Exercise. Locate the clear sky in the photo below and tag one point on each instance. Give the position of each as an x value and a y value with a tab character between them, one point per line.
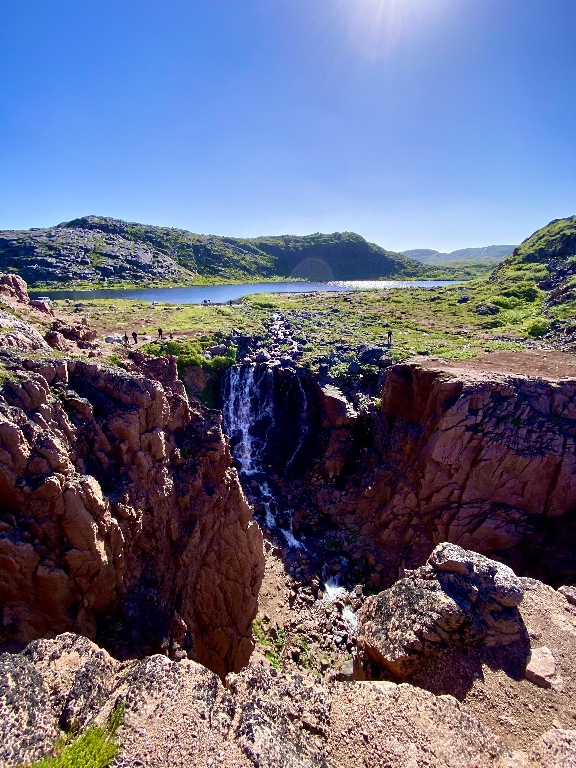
417	123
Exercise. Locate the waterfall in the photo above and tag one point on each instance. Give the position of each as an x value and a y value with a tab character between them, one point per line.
248	420
248	403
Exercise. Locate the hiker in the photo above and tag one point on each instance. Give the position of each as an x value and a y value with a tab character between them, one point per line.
160	334
171	335
125	339
389	338
135	337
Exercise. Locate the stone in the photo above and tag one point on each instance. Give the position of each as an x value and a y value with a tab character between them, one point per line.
179	713
114	338
457	598
541	667
485	308
112	529
569	593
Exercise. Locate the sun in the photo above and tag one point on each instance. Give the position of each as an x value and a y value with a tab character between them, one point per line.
378	27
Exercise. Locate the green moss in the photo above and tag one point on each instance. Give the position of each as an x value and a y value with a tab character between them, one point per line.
273	646
192	352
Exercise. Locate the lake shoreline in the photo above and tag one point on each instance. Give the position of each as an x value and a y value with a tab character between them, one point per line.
230	292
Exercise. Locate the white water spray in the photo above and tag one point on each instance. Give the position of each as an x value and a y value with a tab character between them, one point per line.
249	400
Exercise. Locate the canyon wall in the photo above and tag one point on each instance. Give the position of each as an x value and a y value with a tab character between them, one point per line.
485	460
121	517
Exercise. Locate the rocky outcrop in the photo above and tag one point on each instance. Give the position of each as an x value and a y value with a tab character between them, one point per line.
17	335
122	518
456	598
181	714
15	287
477	704
484	460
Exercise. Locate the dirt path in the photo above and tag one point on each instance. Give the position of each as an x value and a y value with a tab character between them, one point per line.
544	364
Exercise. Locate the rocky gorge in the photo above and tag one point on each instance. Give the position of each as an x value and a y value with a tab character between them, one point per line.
389	629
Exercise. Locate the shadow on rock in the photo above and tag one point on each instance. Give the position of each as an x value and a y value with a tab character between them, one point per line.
440	624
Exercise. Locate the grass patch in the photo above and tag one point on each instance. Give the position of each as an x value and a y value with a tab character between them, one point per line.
95	748
273	646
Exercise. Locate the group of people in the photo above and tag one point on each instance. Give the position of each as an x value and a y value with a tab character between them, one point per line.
135	336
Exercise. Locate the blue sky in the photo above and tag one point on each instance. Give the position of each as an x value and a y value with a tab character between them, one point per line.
417	123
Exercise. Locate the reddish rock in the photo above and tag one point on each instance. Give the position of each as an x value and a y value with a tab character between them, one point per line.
78	332
122	516
485	461
541	667
14	286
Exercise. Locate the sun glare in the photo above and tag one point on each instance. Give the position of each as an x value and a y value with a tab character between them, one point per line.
378	27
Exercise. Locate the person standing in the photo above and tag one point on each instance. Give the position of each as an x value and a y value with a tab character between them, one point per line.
160	336
389	338
135	337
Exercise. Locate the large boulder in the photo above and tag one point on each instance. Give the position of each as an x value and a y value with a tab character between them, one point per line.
456	598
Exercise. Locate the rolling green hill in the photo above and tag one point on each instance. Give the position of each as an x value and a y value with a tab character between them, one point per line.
105	251
545	263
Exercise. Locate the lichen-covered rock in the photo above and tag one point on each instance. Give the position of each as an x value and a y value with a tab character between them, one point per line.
180	714
122	515
28	724
20	336
456	598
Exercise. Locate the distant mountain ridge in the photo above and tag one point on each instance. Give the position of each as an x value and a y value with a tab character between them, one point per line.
490	254
106	251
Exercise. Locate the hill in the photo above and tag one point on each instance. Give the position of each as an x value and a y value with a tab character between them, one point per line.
490	254
106	251
544	264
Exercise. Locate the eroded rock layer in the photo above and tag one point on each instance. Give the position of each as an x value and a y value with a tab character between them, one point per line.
121	516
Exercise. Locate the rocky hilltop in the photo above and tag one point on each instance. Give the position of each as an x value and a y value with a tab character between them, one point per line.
102	250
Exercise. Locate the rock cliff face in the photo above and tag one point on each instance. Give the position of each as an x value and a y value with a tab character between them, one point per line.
483	460
121	516
486	462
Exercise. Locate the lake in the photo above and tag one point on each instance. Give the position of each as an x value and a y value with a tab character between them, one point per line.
222	294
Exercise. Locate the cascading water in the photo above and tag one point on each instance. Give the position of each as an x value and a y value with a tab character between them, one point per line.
248	419
254	403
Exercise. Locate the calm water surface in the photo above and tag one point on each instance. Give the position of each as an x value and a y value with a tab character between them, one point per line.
221	294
